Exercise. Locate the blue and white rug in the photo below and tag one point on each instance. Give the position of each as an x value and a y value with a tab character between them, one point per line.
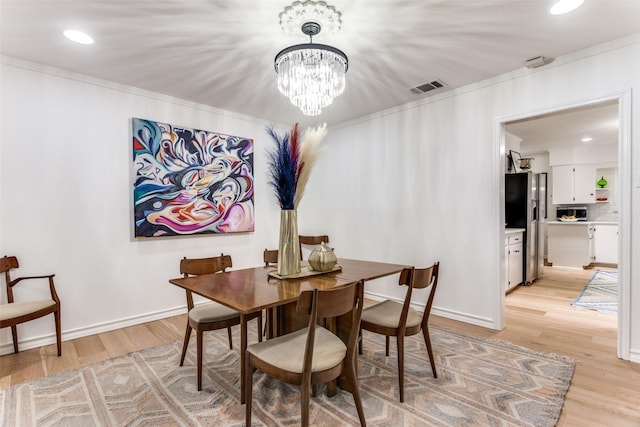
600	293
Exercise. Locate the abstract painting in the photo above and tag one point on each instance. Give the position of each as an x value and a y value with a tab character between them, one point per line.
190	181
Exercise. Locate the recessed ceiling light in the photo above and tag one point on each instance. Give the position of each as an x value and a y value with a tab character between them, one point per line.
565	6
587	139
78	37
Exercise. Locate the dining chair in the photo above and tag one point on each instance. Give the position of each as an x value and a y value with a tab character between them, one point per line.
270	257
394	319
13	313
312	240
314	355
212	315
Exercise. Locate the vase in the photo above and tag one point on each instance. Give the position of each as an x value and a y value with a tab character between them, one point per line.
322	258
289	247
602	183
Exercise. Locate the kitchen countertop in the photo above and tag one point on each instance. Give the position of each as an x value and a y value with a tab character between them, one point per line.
508	231
582	222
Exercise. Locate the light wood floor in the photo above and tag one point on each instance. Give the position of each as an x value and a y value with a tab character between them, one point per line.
605	391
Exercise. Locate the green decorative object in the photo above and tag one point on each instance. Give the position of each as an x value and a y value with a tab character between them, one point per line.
602	183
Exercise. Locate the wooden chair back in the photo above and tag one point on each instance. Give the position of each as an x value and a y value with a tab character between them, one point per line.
332	302
270	256
313	240
198	266
328	304
418	278
7	263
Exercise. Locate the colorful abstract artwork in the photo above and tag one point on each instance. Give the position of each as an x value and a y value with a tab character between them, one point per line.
190	181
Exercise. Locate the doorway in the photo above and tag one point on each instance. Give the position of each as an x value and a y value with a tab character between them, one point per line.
547	138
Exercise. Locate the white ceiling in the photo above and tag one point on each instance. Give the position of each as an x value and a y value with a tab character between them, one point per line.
567	128
220	52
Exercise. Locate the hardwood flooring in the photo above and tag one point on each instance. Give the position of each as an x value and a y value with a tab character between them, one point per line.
605	391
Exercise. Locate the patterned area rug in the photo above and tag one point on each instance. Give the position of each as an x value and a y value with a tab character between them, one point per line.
480	382
600	293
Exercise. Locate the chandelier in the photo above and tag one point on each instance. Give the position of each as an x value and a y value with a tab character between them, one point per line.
311	75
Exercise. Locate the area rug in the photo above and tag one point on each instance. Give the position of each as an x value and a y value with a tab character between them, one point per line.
600	293
480	382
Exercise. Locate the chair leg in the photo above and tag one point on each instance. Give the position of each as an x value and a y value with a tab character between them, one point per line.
386	348
401	365
14	335
230	339
305	401
260	327
199	356
185	344
266	322
427	341
248	388
352	380
56	316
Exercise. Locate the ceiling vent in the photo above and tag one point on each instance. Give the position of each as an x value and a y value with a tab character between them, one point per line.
427	87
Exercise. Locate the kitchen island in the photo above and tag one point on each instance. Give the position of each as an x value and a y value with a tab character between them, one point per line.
579	244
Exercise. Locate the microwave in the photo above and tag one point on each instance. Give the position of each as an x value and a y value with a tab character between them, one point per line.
571	213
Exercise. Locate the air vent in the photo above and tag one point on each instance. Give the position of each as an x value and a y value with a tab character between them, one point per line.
427	87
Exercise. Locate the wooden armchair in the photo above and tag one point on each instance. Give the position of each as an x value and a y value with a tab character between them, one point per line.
210	316
14	313
393	319
314	355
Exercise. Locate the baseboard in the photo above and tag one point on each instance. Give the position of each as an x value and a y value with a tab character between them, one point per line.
634	356
49	339
448	314
43	340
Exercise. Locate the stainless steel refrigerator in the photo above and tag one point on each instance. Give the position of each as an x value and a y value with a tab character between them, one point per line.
525	199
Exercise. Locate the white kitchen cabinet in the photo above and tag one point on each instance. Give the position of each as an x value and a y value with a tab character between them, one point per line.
605	243
574	184
570	244
514	260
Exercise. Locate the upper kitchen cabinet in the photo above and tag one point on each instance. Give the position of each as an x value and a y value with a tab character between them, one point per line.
574	184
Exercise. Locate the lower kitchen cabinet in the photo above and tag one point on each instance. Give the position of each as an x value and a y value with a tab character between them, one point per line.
605	243
514	260
581	244
570	244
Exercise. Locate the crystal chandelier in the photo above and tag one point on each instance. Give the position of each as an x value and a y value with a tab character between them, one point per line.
311	75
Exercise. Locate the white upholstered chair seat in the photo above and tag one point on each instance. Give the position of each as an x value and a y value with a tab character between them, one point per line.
212	312
387	313
287	352
17	309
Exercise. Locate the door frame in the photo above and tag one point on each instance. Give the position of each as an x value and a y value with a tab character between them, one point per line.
624	205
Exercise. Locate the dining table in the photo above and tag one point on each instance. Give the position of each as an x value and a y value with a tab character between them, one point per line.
249	290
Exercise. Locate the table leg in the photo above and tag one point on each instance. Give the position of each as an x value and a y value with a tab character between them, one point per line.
332	388
272	320
243	350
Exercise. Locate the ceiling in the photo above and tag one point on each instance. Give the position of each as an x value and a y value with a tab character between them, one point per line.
220	52
567	128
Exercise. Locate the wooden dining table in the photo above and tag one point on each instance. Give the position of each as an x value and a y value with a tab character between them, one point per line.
250	290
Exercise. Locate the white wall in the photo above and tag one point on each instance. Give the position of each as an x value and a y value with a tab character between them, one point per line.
414	184
427	185
66	199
